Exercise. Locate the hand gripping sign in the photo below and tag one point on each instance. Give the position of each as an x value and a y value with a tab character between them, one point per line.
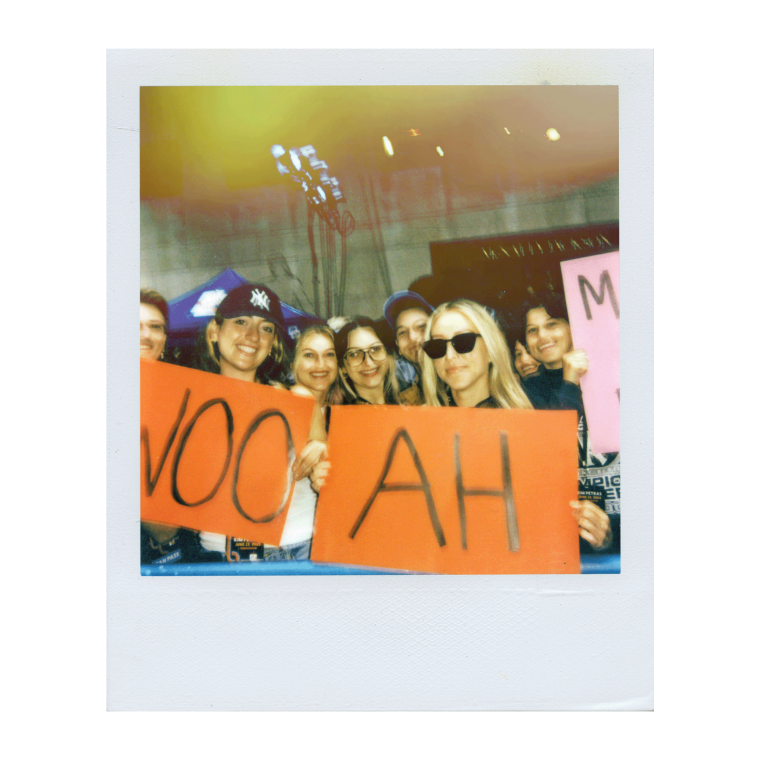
592	285
450	490
216	453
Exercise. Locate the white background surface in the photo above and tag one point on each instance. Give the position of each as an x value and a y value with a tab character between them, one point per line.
379	643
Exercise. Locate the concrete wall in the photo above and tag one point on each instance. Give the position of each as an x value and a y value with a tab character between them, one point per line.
262	232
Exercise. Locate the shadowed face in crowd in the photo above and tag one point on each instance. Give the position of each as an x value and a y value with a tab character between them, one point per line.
410	333
525	364
548	338
152	332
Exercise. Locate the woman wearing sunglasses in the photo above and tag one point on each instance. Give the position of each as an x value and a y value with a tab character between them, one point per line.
466	356
367	368
465	360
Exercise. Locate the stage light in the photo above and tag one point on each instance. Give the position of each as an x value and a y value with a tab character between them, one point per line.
387	145
295	159
440	152
552	134
310	173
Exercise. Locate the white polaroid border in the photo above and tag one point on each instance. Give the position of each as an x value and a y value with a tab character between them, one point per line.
381	642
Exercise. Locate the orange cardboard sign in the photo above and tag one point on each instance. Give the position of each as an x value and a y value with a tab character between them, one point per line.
216	453
450	490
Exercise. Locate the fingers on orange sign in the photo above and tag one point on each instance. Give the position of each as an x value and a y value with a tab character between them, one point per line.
216	453
450	490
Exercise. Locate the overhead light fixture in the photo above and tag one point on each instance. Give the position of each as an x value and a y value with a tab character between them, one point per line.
507	131
440	152
305	168
413	132
552	133
387	145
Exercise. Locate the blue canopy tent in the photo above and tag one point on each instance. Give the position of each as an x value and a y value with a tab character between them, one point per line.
190	313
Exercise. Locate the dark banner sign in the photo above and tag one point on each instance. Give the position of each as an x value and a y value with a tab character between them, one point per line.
498	271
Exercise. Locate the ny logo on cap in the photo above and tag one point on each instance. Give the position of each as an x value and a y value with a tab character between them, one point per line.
261	299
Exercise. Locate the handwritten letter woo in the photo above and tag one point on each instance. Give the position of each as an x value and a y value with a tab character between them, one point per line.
216	453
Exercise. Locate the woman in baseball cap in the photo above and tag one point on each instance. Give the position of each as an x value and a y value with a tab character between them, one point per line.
245	338
246	341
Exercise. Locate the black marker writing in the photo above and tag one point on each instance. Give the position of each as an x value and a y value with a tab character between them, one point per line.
181	447
510	514
604	282
291	457
423	485
151	482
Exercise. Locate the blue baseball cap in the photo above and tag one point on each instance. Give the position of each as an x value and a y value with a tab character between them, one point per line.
401	301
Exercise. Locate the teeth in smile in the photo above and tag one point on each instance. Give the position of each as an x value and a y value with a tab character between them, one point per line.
247	349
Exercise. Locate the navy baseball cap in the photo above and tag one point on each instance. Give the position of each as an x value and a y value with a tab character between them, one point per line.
252	301
401	301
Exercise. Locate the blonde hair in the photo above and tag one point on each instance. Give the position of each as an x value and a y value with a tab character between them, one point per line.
390	383
297	353
503	384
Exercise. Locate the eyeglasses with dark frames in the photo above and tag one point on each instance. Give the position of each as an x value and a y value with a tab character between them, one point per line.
356	356
463	343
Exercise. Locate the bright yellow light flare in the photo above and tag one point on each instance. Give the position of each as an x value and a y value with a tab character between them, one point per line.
552	133
387	145
440	152
507	131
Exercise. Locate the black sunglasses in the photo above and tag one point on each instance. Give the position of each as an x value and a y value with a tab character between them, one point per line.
463	344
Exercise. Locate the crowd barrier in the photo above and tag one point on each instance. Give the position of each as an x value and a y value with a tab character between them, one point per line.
603	564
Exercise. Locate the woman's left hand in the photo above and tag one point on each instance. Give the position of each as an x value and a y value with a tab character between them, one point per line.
311	454
593	523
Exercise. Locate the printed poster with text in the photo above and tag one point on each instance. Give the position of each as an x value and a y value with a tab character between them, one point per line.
216	453
444	490
592	285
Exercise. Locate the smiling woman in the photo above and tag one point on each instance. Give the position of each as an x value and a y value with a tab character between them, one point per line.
245	342
465	360
367	366
244	338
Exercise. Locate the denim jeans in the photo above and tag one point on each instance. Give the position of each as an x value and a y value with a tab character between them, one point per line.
293	551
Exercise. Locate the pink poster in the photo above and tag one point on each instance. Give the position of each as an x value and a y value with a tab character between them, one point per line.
592	294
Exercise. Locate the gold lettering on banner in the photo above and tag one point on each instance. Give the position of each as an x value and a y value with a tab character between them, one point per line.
553	245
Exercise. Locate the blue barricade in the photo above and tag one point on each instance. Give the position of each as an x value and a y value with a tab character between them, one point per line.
604	563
